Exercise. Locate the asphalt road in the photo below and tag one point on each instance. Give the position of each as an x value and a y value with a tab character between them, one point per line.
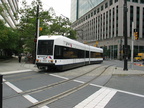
108	91
131	83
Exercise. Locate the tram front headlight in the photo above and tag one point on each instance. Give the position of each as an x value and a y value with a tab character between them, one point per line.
37	60
51	61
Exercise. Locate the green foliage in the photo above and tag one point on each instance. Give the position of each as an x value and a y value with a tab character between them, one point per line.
50	23
8	38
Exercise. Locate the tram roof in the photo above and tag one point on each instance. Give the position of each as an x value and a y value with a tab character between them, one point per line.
60	38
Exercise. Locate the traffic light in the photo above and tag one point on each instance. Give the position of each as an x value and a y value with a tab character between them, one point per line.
136	34
40	28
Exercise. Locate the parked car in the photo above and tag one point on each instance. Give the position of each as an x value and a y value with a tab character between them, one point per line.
137	58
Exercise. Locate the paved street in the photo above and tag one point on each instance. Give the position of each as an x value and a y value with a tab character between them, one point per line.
113	89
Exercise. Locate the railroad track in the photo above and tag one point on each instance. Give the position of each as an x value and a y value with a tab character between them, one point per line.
61	95
47	86
68	92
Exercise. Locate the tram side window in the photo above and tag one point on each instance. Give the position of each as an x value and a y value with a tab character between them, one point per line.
96	55
69	53
87	54
62	52
80	53
58	54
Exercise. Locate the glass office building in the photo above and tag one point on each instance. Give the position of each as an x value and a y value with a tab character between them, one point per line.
102	25
80	7
8	15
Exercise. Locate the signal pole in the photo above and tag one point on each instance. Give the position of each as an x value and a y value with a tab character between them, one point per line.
125	35
1	91
132	44
37	32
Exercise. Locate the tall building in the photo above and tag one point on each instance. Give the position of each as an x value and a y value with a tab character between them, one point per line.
80	7
10	8
102	25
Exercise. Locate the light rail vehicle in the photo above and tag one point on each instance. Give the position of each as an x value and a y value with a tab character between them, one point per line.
61	53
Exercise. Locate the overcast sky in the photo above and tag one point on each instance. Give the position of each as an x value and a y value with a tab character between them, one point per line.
60	6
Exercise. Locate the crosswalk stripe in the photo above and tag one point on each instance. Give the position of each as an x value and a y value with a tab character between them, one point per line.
98	100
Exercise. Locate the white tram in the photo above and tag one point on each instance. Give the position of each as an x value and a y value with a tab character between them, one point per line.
62	53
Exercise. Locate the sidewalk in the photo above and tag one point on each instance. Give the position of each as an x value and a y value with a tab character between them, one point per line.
120	71
14	65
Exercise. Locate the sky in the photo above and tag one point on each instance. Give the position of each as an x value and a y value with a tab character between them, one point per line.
60	6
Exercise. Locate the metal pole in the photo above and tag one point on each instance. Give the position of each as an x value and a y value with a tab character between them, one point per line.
37	31
125	35
1	91
113	47
132	45
37	21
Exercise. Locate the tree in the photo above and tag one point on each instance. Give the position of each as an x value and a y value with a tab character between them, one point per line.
50	23
8	39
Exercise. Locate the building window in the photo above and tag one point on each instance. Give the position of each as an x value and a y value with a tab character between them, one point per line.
107	24
88	15
143	24
106	5
98	10
91	14
135	1
101	8
116	1
141	1
111	2
113	21
117	21
131	19
94	12
110	23
86	18
128	0
138	18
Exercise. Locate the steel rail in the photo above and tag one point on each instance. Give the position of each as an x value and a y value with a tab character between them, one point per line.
65	93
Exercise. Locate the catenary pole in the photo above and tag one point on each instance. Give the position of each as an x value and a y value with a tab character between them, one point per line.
125	35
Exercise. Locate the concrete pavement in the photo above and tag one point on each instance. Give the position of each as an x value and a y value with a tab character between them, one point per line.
13	65
120	71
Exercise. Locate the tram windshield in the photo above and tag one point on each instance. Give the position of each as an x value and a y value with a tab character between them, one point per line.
45	47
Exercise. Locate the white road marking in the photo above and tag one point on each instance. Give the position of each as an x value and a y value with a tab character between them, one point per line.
28	97
79	81
59	76
97	100
31	99
13	72
135	94
13	87
105	94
